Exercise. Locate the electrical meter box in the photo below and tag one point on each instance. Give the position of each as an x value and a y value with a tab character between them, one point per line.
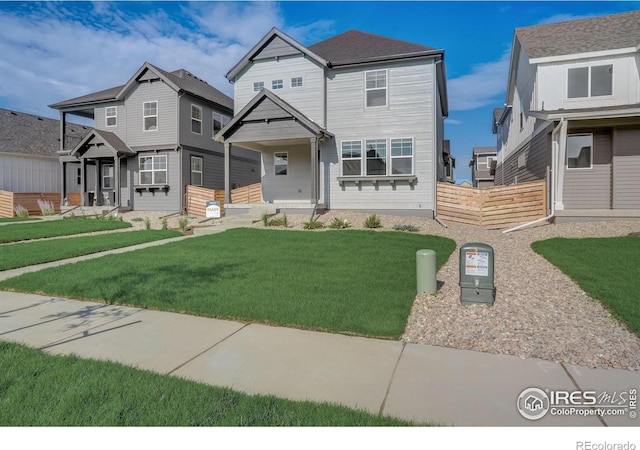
476	274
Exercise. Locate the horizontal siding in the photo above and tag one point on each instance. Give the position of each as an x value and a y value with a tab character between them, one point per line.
159	200
296	185
537	159
626	169
408	114
167	115
307	99
187	137
591	188
24	174
277	48
99	120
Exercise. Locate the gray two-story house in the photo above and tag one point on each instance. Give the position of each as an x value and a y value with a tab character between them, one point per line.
572	115
353	122
482	160
152	137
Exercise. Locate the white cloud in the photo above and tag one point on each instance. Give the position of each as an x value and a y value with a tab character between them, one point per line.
454	122
484	86
566	17
54	51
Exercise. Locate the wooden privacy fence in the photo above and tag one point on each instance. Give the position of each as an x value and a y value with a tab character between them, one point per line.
494	207
29	200
196	197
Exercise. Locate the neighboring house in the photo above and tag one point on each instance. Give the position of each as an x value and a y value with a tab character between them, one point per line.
152	136
481	163
465	183
28	151
449	162
352	122
572	115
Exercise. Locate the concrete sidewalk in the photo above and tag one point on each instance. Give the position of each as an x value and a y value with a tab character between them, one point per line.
409	381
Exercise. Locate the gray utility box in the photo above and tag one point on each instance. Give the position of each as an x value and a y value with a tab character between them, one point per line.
476	274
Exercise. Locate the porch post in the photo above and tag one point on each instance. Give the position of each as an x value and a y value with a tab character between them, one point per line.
63	192
83	179
63	128
97	196
227	173
116	181
314	169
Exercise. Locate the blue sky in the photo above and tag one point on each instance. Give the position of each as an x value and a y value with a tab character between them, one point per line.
52	51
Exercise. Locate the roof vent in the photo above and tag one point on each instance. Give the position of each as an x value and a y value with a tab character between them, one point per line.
13	114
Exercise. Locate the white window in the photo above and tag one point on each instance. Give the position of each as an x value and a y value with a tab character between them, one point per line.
296	82
111	116
376	88
107	176
593	81
258	86
376	156
196	171
150	116
402	156
153	170
277	84
579	151
196	119
79	176
281	163
219	121
490	160
351	158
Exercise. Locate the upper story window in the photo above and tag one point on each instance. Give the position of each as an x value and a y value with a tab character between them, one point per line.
153	169
258	86
196	119
277	84
579	151
111	116
196	170
219	121
594	81
150	116
376	88
296	82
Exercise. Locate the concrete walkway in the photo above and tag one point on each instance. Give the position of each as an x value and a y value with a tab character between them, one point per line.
409	381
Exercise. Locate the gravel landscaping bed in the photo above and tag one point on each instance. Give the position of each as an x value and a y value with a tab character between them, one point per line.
539	312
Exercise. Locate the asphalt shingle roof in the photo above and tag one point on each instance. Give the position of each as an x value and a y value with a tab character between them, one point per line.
34	135
357	46
601	33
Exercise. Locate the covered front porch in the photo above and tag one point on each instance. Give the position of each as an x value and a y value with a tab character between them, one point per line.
100	162
289	145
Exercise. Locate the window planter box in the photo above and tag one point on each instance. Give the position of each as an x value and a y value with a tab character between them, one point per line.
151	187
411	179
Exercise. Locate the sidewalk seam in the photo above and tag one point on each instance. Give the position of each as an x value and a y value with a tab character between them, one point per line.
207	349
393	374
577	386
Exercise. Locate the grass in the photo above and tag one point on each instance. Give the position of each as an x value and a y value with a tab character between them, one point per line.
54	228
17	219
605	268
355	282
29	253
42	390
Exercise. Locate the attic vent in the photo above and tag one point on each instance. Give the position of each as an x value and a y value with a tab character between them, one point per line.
40	118
13	114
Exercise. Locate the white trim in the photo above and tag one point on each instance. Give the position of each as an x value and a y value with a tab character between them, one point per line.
566	162
386	88
201	171
279	82
223	119
197	108
103	176
413	155
365	157
274	164
152	170
589	95
155	115
297	86
351	159
257	84
574	56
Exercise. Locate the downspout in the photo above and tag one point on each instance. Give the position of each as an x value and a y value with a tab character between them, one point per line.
554	170
436	161
183	189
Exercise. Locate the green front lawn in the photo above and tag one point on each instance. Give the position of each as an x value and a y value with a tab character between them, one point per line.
46	229
349	281
41	390
30	253
17	219
605	268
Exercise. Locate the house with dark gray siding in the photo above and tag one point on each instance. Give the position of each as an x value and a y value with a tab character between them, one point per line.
572	115
28	151
354	122
481	163
151	138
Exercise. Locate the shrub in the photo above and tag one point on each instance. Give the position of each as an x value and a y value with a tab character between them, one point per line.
46	207
165	224
147	223
137	219
278	222
21	211
338	224
405	227
313	224
373	221
182	223
265	219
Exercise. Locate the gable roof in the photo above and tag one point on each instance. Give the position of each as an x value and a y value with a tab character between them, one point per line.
611	32
353	47
28	134
113	142
179	80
